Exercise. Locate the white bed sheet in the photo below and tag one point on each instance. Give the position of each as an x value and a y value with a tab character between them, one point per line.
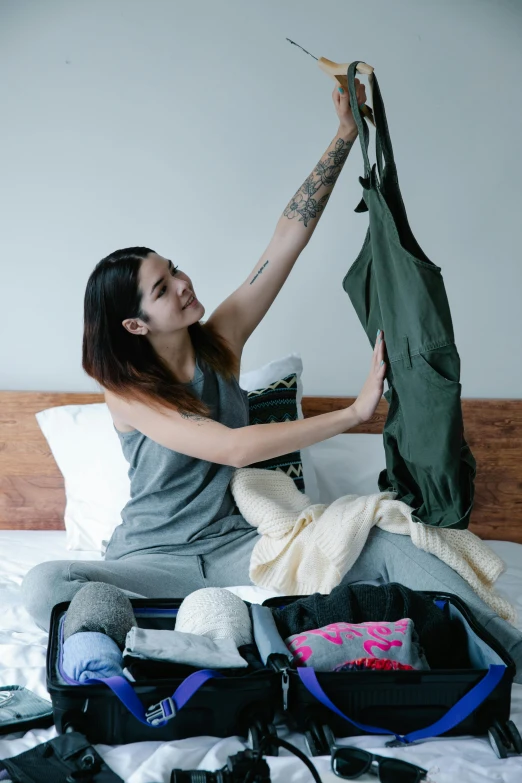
22	662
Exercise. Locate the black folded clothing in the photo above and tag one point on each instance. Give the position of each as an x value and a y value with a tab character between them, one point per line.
67	757
444	640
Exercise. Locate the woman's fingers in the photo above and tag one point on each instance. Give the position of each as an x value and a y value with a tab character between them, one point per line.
376	346
378	351
360	92
382	354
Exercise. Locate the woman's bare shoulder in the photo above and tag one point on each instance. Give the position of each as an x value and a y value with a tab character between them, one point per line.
111	401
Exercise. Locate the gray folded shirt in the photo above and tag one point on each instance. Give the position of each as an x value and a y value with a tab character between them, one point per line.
187	648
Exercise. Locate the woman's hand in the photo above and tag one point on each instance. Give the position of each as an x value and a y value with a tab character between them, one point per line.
343	108
368	399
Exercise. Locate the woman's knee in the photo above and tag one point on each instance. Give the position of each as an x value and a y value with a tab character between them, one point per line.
44	586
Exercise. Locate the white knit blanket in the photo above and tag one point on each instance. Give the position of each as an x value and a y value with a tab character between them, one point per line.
308	547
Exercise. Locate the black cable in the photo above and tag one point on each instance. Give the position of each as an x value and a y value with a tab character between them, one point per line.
270	739
300	755
252	770
265	740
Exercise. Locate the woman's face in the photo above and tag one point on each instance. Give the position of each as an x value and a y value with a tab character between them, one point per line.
166	291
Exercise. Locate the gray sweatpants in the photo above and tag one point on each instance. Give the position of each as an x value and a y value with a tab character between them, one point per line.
386	557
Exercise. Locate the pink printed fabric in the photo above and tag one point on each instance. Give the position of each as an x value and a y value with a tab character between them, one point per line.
382	664
337	644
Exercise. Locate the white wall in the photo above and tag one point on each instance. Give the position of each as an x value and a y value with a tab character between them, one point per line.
187	127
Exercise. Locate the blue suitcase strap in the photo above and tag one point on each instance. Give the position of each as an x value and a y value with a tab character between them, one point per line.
157	714
455	715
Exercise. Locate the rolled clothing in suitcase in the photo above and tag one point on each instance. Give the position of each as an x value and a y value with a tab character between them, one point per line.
167	700
409	704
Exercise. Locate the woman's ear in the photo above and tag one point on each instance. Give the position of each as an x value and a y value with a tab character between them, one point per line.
135	326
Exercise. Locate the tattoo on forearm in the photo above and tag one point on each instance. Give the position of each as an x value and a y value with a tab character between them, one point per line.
195	417
255	278
325	174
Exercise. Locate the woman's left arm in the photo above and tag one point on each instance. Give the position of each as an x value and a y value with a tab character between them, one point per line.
239	314
304	210
306	206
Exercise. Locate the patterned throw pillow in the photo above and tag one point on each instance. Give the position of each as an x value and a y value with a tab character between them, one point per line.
277	402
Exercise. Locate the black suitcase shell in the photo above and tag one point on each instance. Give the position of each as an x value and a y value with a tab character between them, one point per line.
221	707
402	701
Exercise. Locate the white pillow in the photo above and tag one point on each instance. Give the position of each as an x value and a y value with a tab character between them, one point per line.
347	464
88	453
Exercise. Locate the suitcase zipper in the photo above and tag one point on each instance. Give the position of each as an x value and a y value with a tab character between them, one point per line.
280	662
285	686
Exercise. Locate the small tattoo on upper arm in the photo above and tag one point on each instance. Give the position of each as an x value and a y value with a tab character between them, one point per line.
255	278
195	417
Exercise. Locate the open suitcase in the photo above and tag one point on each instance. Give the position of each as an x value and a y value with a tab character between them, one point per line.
167	701
170	701
411	705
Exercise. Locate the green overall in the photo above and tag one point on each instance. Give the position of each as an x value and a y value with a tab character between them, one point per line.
393	286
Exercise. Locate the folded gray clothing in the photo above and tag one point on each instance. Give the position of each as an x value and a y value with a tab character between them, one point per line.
339	643
187	648
101	608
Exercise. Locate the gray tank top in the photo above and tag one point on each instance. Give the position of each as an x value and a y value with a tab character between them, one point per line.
181	504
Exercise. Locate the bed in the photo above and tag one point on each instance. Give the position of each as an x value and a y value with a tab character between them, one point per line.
32	500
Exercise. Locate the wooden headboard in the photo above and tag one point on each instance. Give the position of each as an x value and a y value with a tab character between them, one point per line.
32	493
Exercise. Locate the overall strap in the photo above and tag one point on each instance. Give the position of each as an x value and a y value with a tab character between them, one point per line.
383	143
382	134
364	133
388	183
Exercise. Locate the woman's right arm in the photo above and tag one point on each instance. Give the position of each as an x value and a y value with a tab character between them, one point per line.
206	439
261	442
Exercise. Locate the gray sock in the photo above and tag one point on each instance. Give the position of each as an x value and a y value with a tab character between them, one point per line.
100	607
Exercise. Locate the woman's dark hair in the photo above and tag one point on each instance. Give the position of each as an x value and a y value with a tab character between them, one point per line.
127	364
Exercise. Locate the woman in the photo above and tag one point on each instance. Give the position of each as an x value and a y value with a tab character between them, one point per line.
171	384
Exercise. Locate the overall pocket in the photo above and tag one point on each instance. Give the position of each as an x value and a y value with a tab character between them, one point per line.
430	437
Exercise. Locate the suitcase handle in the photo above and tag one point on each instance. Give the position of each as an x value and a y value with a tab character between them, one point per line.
455	715
157	714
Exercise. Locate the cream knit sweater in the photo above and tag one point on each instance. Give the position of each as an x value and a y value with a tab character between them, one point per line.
306	548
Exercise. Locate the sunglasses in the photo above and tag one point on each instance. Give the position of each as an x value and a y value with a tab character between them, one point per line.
350	763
